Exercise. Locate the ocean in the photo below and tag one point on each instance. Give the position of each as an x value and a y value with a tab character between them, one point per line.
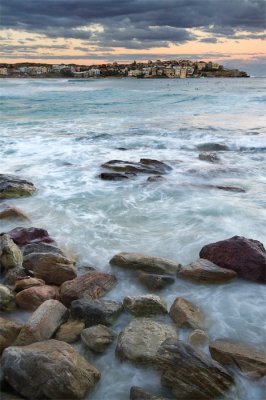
58	133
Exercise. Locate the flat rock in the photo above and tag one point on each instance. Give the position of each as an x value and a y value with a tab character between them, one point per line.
23	236
245	358
94	284
186	314
204	271
141	338
12	186
98	337
143	262
189	373
137	393
43	323
210	157
9	331
30	299
10	254
12	212
52	268
247	257
154	282
145	305
70	331
94	312
48	370
7	299
212	147
42	248
27	282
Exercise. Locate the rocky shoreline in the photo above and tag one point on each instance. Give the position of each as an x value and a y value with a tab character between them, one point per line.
38	360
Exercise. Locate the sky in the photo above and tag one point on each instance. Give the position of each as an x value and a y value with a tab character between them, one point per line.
231	32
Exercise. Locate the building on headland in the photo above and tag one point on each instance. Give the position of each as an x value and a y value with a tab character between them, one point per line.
3	71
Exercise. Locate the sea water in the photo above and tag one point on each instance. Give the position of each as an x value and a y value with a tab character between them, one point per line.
57	133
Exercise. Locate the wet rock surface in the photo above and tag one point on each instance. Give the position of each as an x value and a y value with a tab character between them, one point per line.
144	166
115	176
48	370
204	271
213	147
145	305
23	236
98	337
9	331
12	186
30	299
10	254
198	338
42	248
94	312
154	282
186	314
70	331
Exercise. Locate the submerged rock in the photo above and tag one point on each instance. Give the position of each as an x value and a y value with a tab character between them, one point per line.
144	262
94	312
23	236
212	147
210	157
48	370
184	313
137	393
247	359
7	299
115	176
94	284
12	212
70	331
141	338
12	186
153	281
145	305
30	299
247	257
204	271
145	166
10	254
9	331
156	178
189	373
98	337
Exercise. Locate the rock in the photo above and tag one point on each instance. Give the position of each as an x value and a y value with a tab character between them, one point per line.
198	338
10	254
48	370
210	157
94	284
98	337
42	248
30	299
94	312
70	331
23	236
212	147
163	167
205	271
145	166
154	282
247	359
153	264
43	323
145	305
184	313
13	186
115	176
189	373
27	283
15	274
235	189
247	257
7	299
13	213
10	396
52	268
156	178
141	338
137	393
9	331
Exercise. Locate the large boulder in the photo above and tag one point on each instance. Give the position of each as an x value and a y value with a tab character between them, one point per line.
204	271
12	212
186	314
189	373
7	299
13	186
246	358
48	370
137	393
27	282
145	305
43	323
143	262
141	338
23	236
98	337
10	254
70	331
247	257
52	268
94	312
94	284
30	299
9	331
154	282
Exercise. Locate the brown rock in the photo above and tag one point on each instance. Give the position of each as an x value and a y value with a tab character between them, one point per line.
43	323
70	331
23	236
137	393
52	268
153	281
185	313
146	166
247	257
98	337
94	284
247	359
9	331
27	282
204	271
30	299
7	299
198	338
13	213
10	254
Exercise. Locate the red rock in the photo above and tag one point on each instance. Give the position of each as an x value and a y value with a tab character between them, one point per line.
22	236
247	257
30	299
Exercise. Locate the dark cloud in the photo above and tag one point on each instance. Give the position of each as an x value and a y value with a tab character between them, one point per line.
209	40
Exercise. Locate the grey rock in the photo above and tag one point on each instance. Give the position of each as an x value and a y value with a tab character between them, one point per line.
12	186
7	299
154	282
10	254
42	248
204	271
145	305
98	337
94	312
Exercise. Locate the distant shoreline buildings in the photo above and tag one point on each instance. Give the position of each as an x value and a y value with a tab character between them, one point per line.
147	70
